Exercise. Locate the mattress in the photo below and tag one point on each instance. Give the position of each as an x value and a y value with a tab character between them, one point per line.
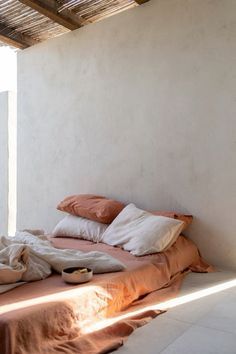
53	317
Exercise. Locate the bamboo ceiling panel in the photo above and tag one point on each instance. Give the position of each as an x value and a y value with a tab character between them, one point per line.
27	22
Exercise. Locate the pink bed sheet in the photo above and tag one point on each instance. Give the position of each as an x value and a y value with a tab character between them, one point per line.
52	317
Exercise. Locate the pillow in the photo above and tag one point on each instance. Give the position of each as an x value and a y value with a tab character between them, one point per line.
75	226
92	207
187	219
141	233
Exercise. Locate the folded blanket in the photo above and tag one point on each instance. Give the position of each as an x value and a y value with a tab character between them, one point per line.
26	258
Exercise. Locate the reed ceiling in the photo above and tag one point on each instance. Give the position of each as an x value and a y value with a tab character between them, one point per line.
24	23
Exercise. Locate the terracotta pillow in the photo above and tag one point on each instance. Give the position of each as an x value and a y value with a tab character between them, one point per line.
187	219
93	207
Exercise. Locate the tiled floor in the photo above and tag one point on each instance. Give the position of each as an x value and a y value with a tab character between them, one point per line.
202	326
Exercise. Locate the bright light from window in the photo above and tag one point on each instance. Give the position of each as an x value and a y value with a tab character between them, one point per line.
8	82
8	69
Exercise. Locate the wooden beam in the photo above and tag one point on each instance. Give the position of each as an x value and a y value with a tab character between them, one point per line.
140	2
50	9
9	36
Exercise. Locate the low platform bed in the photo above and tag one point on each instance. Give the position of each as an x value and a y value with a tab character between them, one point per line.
52	317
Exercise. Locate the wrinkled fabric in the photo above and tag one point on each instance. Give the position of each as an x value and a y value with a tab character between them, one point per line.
27	258
51	317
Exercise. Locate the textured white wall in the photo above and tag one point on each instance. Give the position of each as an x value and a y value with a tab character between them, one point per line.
3	162
140	107
8	162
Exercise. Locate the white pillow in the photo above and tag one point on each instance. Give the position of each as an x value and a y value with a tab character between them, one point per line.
140	232
76	226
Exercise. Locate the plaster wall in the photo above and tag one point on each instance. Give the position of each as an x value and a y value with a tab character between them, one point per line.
8	162
3	162
140	107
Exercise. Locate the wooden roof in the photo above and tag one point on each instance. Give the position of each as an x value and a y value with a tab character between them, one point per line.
24	23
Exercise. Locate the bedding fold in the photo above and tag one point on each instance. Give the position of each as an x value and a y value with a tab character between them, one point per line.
27	258
96	317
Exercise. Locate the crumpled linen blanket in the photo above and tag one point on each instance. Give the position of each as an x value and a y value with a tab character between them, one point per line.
26	257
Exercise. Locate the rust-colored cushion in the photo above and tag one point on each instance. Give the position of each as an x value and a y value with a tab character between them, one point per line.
187	219
93	207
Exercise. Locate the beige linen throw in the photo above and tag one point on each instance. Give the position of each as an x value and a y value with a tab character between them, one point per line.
25	258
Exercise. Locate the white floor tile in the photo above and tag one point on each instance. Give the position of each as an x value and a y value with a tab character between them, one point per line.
198	281
199	340
192	311
154	337
203	326
222	316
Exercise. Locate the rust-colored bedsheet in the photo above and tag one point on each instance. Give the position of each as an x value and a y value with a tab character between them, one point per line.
51	317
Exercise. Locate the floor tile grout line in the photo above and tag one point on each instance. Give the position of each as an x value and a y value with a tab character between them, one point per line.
168	314
191	325
215	329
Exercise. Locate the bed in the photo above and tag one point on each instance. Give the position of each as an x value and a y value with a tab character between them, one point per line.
53	317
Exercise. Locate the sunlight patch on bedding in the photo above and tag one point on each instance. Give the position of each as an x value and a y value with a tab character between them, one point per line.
63	295
87	327
162	306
